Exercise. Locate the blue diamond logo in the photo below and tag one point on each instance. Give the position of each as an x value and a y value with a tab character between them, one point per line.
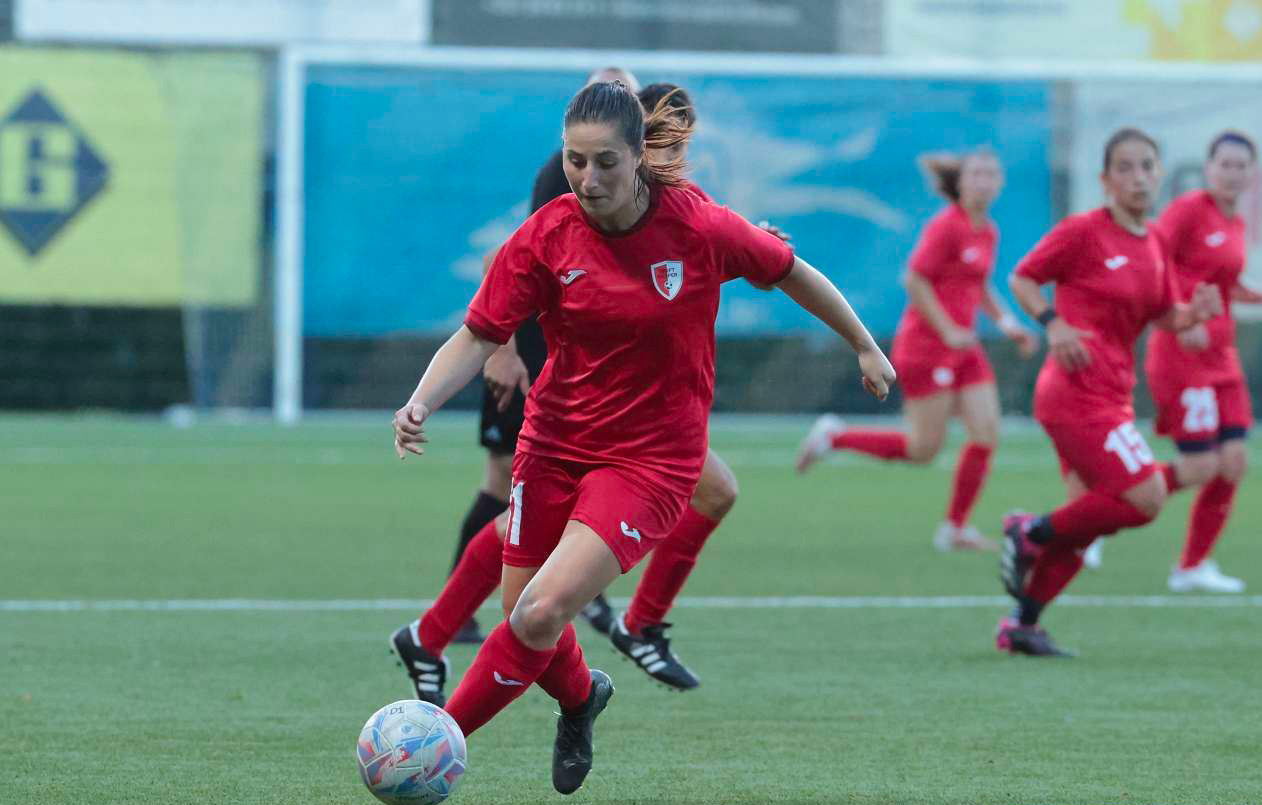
48	172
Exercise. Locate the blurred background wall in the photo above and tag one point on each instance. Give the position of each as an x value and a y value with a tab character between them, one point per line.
198	199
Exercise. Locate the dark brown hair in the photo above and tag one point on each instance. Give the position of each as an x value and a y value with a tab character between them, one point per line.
674	96
613	102
1236	137
944	169
1126	135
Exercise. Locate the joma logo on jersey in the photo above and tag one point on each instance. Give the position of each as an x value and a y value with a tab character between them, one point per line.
48	172
1114	263
668	277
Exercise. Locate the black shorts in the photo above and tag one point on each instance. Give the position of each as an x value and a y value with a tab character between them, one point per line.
498	430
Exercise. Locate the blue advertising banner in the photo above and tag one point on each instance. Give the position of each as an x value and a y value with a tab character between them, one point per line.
413	173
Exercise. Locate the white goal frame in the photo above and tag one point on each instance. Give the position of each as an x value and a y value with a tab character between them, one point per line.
291	81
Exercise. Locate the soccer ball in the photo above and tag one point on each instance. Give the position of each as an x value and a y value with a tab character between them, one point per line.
411	752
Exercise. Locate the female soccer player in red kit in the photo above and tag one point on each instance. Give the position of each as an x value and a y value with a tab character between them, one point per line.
1112	279
625	277
1195	376
942	368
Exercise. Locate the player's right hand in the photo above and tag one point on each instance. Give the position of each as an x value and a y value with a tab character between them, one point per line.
505	373
878	373
1194	338
409	431
1066	345
960	338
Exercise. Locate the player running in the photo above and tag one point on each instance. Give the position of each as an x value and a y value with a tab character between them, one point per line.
942	367
625	277
1195	376
1112	279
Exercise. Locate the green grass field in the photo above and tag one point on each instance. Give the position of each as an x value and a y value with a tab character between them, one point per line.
877	704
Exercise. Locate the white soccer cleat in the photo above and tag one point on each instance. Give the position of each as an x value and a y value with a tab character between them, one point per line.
1205	577
1094	555
965	538
819	441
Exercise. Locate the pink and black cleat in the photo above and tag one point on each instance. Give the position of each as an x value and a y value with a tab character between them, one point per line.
1018	552
1033	640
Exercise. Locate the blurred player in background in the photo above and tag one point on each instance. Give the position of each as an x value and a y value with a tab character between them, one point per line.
1195	375
1112	278
943	370
625	275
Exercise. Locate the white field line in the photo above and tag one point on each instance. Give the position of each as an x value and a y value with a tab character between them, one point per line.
732	602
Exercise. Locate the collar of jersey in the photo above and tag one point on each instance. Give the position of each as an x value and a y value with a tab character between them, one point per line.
655	195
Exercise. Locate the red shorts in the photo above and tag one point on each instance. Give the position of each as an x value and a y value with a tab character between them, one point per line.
925	374
629	512
1108	457
1198	417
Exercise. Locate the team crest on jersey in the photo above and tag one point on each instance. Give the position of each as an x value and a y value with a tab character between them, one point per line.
668	277
971	254
1216	239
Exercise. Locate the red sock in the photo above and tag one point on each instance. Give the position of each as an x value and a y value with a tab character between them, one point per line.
476	576
886	444
567	678
1210	511
669	566
1053	570
1171	474
501	672
1080	521
970	474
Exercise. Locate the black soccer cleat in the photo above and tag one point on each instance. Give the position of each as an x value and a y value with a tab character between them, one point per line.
1033	640
651	652
469	634
572	753
1017	554
599	614
427	672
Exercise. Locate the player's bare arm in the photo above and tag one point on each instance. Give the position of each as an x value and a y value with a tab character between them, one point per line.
455	364
1064	340
1027	341
819	297
922	296
1206	303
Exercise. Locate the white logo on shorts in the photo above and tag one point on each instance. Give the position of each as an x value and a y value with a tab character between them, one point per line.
1114	263
633	533
571	275
943	376
505	681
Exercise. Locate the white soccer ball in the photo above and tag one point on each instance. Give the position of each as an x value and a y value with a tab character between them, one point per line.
411	752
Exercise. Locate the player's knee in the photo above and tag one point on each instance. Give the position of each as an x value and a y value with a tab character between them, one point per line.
985	433
1232	465
1197	468
716	493
538	619
1149	499
923	449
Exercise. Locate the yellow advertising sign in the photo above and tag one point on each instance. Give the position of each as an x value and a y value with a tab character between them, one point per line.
129	178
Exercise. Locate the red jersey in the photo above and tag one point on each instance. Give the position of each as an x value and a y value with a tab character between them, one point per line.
956	259
1205	246
629	323
1111	283
694	188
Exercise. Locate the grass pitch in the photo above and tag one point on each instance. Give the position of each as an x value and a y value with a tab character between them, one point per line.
874	704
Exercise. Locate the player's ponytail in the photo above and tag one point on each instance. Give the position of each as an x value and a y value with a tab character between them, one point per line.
669	123
944	170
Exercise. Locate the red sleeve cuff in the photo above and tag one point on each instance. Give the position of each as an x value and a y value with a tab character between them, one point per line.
788	267
484	329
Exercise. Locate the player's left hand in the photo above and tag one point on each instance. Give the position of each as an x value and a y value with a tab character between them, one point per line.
878	372
409	430
1207	302
1027	341
772	229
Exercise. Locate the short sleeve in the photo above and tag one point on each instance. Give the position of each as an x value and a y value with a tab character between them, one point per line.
514	289
744	250
935	249
1053	256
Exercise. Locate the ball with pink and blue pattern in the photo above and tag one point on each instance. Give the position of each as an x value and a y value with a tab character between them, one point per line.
411	753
